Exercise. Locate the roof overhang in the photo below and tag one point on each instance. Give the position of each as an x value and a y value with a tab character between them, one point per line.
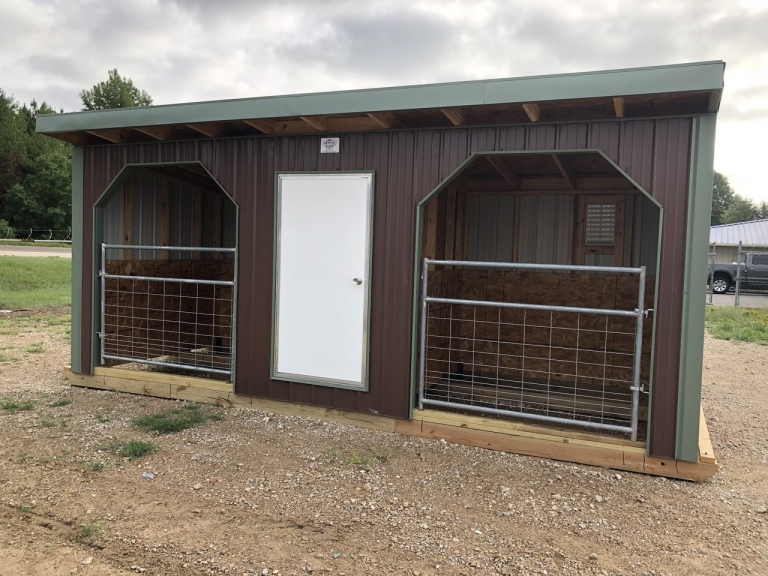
682	89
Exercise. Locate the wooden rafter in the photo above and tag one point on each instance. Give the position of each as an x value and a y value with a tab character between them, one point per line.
384	119
263	126
618	105
455	115
533	111
156	132
565	171
206	130
319	123
111	138
506	172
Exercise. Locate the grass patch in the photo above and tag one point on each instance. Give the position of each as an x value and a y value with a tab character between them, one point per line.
36	245
29	281
88	531
4	358
133	449
102	419
35	348
59	403
12	405
372	455
738	324
175	419
98	466
47	424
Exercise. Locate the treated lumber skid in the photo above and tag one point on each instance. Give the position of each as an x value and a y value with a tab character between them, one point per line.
513	437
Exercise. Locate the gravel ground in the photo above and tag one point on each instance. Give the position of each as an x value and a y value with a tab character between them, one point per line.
257	493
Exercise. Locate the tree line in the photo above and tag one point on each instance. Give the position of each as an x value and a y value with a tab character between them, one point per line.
35	170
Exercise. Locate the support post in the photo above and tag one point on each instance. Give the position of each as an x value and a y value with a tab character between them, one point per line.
423	339
637	372
102	324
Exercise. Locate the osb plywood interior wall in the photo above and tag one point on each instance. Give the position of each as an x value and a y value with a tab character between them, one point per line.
483	337
146	318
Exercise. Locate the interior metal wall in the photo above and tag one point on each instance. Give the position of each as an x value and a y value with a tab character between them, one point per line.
546	223
408	164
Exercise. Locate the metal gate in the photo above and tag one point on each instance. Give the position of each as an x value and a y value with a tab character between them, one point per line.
555	364
176	322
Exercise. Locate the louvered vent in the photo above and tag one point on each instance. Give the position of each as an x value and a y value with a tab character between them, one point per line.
601	225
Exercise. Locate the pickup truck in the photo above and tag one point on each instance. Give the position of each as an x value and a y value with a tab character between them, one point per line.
754	274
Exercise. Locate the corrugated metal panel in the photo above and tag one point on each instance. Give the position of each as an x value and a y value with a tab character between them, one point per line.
754	233
408	165
491	227
545	225
113	222
645	234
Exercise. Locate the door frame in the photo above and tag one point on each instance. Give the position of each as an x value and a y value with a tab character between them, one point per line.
320	381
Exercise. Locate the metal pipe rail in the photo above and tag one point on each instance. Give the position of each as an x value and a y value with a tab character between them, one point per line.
638	314
104	276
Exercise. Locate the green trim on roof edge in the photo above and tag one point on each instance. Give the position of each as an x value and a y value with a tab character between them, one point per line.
693	77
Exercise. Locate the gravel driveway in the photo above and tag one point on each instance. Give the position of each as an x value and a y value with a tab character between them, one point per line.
257	493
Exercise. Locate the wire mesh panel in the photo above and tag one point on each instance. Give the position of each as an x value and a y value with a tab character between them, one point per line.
169	313
561	364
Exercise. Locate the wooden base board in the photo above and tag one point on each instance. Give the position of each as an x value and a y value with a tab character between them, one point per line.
513	437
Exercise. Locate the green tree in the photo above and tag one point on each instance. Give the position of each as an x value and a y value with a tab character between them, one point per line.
722	196
762	210
116	92
741	210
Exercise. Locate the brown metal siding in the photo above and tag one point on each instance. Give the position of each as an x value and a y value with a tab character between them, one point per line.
407	166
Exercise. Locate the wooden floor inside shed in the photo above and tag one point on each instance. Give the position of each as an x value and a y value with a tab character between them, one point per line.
514	437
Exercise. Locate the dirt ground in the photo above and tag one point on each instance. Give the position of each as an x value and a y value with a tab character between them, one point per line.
263	494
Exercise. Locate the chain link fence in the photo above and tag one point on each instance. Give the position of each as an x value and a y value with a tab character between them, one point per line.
742	283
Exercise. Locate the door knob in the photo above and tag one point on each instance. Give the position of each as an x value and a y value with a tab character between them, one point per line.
357	281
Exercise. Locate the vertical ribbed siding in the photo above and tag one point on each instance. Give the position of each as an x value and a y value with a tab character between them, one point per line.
407	166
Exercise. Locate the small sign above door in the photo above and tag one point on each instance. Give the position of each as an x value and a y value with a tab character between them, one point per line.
329	145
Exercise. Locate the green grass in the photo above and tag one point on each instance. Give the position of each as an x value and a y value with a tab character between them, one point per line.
739	324
88	531
47	424
36	245
59	403
29	281
133	449
35	348
175	420
366	460
12	405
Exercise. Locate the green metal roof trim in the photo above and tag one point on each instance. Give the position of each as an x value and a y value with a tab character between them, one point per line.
694	77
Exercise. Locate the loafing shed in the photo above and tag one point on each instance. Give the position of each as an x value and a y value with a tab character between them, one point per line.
518	264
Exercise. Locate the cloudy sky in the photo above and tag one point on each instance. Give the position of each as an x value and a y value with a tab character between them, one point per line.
204	49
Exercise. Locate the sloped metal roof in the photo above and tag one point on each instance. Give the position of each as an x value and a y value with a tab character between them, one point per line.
753	233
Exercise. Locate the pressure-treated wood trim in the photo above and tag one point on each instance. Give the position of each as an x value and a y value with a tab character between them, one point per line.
165	216
319	123
505	171
531	440
706	453
128	217
570	180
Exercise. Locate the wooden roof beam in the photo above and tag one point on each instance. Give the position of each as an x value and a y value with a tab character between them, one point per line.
112	139
319	123
618	105
505	171
207	129
156	132
263	126
384	119
455	115
533	111
567	174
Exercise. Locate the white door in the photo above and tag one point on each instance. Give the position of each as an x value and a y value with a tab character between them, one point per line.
322	282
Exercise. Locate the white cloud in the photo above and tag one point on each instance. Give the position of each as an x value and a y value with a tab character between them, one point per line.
186	50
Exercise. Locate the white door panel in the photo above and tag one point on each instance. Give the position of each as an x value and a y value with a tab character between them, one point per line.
322	283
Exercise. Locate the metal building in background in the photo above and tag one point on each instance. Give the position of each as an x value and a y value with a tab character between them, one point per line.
563	220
